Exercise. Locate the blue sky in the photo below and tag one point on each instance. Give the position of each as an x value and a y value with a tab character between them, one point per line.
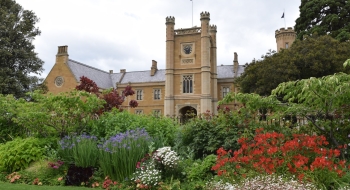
129	34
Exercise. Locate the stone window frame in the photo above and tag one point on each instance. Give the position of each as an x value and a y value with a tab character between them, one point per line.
287	45
59	81
138	112
139	94
183	83
155	97
225	90
157	112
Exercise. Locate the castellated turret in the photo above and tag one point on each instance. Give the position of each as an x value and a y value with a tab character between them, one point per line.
284	38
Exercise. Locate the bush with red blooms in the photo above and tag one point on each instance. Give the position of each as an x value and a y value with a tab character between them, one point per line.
112	97
302	155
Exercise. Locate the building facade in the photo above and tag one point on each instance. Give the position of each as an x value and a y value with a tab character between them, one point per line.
191	82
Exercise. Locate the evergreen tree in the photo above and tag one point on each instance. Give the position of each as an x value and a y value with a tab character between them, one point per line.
18	61
324	17
315	56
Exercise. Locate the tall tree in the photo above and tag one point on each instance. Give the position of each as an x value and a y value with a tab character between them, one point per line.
324	17
315	56
18	61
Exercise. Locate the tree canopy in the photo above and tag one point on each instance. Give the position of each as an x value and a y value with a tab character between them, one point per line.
18	61
315	56
324	17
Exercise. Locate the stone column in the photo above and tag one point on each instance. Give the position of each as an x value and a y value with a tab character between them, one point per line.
169	106
205	64
214	75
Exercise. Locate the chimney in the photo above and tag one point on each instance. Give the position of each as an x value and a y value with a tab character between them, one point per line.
154	68
235	63
110	71
62	50
122	70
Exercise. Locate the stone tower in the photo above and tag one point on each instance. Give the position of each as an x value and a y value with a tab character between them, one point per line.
191	73
284	38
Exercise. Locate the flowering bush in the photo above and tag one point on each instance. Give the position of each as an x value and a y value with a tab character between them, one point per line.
146	175
302	155
262	182
166	157
120	153
81	150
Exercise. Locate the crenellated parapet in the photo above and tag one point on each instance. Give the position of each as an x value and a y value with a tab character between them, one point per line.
170	19
212	28
205	15
185	31
282	31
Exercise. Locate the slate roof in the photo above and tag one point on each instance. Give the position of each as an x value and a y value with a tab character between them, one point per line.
106	80
143	76
101	78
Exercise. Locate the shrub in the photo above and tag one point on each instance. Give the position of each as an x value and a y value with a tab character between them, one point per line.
205	137
302	155
114	122
200	169
18	154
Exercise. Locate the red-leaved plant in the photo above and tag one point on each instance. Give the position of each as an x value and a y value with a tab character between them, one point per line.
302	155
112	97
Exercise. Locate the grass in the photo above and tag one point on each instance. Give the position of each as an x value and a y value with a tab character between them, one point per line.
10	186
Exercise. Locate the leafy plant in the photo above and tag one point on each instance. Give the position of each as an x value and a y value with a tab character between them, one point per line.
81	150
18	154
200	169
161	129
120	153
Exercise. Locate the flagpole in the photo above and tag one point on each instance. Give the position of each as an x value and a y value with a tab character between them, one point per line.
284	11
192	13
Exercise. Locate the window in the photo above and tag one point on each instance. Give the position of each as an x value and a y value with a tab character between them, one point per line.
139	95
138	112
225	91
187	84
156	94
287	45
156	113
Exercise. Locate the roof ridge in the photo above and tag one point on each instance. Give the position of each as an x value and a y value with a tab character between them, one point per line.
88	66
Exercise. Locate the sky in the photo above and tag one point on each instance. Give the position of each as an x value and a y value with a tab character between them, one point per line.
129	34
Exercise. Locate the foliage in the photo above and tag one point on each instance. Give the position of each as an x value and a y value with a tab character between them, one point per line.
327	17
200	169
57	115
315	56
111	96
19	153
267	153
81	150
323	101
110	123
17	57
8	111
120	153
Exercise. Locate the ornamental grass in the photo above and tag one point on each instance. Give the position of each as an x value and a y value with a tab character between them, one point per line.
120	153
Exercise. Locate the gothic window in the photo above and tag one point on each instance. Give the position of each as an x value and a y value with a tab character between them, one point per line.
187	84
287	45
225	91
139	95
156	94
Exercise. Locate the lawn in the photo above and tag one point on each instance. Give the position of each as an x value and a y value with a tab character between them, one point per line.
10	186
